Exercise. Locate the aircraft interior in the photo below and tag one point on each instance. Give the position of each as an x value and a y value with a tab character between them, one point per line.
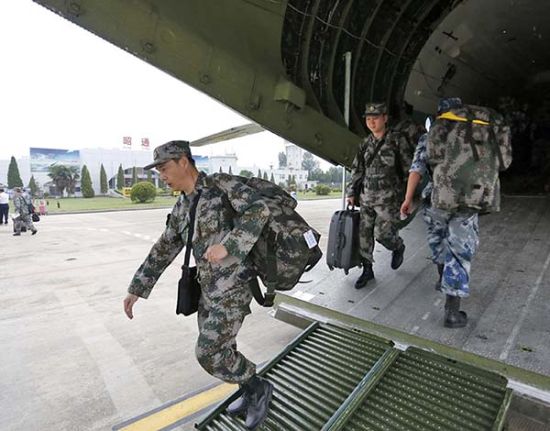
491	53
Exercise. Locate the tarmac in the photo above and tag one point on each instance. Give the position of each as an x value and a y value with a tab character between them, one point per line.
73	361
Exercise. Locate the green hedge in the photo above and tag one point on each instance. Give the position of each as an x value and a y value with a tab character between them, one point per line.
143	191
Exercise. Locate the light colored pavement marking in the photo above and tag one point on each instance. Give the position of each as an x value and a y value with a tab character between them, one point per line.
437	302
425	317
415	330
512	338
181	410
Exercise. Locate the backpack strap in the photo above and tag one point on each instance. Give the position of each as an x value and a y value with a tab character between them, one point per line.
469	133
496	147
375	152
265	301
271	266
190	229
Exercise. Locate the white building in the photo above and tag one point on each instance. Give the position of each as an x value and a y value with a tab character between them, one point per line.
294	158
227	162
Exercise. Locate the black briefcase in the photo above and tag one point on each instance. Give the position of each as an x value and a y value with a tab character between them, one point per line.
189	291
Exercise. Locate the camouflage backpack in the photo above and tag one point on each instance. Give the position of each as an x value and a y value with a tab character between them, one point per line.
287	247
467	147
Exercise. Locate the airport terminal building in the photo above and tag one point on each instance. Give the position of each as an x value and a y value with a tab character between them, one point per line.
40	159
38	162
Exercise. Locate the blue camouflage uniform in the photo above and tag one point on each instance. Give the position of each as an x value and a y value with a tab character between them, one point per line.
453	236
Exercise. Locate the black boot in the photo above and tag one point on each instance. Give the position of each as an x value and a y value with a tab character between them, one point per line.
440	267
366	275
240	405
397	257
454	318
259	396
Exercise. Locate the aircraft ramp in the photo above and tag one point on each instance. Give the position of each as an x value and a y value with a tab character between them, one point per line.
336	378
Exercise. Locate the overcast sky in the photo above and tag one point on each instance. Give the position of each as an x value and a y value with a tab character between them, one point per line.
62	87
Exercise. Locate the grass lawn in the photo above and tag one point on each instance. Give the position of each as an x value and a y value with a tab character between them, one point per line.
311	196
102	203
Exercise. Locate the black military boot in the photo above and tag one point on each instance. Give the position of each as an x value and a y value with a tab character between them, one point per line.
366	275
259	396
397	257
454	318
240	405
440	267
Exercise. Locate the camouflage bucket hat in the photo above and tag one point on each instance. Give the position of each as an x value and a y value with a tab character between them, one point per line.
449	103
169	151
375	109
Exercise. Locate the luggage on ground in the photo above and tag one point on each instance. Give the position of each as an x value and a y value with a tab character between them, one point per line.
343	240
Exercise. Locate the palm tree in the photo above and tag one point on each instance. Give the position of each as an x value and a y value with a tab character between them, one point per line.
73	179
64	177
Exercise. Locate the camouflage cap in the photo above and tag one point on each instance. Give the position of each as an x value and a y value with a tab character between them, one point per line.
169	151
373	108
448	103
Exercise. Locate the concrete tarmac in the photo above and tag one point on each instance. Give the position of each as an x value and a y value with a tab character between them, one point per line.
71	359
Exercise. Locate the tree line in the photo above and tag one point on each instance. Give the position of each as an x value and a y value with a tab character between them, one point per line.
65	178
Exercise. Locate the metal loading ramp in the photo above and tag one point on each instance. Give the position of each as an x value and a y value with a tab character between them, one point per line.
333	378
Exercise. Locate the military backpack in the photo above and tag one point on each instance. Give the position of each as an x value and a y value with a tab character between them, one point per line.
288	245
467	147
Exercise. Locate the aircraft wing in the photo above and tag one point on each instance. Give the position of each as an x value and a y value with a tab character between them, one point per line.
226	135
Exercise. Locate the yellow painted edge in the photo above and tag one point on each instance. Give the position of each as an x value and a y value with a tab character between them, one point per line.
178	411
453	117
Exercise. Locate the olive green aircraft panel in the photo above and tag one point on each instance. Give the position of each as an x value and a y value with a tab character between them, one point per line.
228	49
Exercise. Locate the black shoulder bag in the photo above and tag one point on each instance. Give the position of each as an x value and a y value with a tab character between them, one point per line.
189	289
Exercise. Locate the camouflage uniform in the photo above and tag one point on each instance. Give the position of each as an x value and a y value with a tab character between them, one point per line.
410	130
225	295
379	188
452	217
21	205
453	237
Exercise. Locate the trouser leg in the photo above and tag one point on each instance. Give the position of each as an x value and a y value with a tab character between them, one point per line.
366	233
26	221
216	348
4	211
17	225
463	241
436	222
385	227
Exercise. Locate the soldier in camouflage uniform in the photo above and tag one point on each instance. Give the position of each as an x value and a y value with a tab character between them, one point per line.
408	127
376	186
223	237
21	204
451	214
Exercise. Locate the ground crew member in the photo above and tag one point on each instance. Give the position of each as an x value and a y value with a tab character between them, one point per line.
376	186
21	205
222	239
